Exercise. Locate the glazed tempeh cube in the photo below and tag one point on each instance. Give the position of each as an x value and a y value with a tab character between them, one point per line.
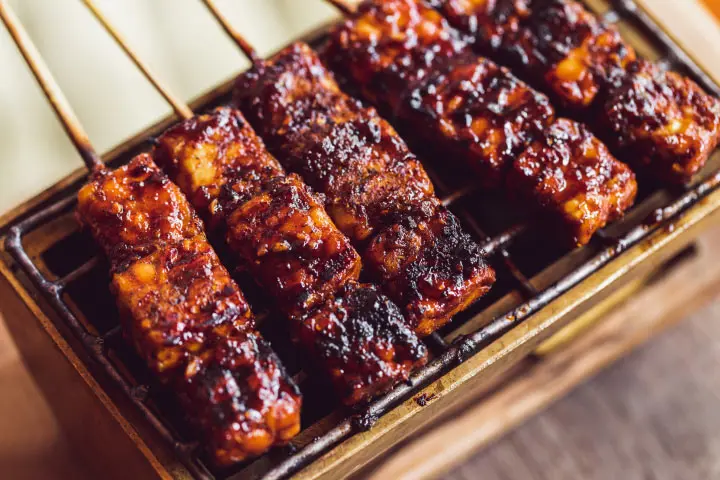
240	395
318	132
361	340
557	45
290	246
478	113
662	120
172	299
217	161
132	210
388	47
427	263
573	180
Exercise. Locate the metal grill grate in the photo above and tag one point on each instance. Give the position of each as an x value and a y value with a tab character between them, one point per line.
531	274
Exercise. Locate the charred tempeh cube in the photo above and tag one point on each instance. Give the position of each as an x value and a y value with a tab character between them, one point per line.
556	44
573	180
361	340
217	161
427	263
132	210
172	299
185	316
389	46
291	247
240	394
370	177
480	114
663	120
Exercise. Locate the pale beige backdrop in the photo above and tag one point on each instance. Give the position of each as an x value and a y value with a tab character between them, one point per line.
177	37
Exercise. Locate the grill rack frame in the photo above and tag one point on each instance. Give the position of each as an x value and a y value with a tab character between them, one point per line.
450	355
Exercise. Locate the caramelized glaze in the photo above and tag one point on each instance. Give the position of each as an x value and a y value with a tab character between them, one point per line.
371	180
572	178
184	314
662	120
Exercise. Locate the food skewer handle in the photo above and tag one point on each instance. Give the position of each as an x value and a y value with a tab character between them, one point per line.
181	108
239	39
51	88
346	7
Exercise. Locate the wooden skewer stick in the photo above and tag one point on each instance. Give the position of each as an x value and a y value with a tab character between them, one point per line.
244	45
346	7
180	107
51	88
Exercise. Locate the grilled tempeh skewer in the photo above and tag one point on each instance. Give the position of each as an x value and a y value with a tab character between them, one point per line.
377	191
184	314
283	236
181	309
661	118
482	114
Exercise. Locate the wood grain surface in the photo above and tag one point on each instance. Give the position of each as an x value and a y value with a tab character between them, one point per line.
653	415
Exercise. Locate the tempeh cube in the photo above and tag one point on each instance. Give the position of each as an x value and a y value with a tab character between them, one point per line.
172	299
573	180
479	114
428	264
238	393
132	210
362	341
217	161
388	47
289	244
662	120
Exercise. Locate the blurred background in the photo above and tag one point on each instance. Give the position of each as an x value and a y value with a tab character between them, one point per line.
178	38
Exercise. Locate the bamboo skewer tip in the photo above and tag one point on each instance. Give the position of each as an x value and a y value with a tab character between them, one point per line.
233	33
347	7
181	108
